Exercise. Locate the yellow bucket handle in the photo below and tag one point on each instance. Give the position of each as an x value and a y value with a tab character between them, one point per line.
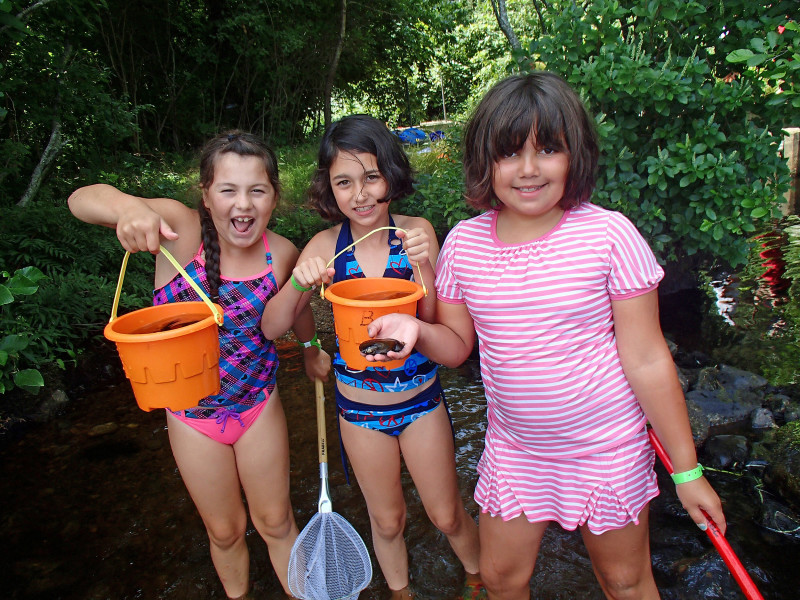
218	317
350	246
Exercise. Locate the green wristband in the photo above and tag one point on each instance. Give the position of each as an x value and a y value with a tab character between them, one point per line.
299	287
312	342
686	476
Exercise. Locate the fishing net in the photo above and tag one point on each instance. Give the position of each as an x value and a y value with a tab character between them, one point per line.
329	560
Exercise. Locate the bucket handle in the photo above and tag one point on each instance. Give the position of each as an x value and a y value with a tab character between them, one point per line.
218	317
351	246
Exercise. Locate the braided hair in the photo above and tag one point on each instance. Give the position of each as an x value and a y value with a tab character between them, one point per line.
243	144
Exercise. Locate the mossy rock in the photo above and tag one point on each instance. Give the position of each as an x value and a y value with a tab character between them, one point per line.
784	472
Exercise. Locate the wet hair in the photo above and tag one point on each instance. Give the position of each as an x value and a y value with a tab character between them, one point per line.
359	134
243	144
541	103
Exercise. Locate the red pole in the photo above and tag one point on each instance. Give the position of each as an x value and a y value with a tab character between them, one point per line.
715	535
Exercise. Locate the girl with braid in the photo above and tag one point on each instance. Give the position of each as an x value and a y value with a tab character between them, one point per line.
238	438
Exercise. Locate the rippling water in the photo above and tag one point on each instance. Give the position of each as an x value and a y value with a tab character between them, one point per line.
93	506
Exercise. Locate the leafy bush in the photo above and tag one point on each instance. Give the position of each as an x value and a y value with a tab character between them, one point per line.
79	266
439	192
688	154
16	356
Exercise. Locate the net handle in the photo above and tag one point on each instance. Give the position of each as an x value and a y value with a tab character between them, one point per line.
322	437
325	505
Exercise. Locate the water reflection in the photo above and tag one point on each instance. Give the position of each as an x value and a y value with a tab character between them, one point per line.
754	320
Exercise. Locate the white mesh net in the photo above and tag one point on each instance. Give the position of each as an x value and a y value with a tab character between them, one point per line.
329	560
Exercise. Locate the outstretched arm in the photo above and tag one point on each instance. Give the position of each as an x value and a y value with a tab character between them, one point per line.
651	372
140	222
449	341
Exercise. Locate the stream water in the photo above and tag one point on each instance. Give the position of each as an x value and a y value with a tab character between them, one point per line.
92	506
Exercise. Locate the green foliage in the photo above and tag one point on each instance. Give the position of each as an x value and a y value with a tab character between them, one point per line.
79	265
772	59
689	156
15	351
439	192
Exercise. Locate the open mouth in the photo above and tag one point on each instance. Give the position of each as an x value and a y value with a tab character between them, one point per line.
242	224
530	189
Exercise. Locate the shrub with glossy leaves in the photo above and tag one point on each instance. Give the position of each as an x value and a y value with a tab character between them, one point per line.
688	151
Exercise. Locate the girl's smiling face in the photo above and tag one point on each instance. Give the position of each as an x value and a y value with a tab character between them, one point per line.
359	187
531	181
240	199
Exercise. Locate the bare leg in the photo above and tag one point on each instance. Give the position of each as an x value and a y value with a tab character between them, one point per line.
621	560
262	460
429	454
209	472
508	555
375	458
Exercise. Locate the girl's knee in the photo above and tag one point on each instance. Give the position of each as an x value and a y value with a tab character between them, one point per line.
389	524
449	521
226	534
276	524
620	582
505	577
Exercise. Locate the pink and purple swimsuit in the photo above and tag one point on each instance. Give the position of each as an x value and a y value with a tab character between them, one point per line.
248	361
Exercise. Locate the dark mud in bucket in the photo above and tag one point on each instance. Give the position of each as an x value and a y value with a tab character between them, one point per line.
170	352
358	302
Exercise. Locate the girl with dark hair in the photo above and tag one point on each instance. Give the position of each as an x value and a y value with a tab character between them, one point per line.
236	439
563	296
386	416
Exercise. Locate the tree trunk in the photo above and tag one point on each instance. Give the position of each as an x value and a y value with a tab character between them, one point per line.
499	9
46	162
54	145
335	64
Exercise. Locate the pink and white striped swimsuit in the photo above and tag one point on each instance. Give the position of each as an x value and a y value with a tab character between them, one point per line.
565	439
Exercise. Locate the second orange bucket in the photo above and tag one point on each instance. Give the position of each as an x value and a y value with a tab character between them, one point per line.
358	302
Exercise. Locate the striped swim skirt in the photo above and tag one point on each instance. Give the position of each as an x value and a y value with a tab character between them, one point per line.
604	491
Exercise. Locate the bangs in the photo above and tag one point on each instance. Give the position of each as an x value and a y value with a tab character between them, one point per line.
546	125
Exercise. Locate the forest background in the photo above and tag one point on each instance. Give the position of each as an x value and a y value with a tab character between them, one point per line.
690	99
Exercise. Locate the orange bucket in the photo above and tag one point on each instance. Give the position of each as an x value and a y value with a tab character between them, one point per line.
358	302
169	352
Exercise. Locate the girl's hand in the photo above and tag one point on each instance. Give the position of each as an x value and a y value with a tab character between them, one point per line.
698	495
140	228
313	272
416	244
397	326
317	363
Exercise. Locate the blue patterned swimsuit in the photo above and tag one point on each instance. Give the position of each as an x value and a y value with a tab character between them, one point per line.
417	368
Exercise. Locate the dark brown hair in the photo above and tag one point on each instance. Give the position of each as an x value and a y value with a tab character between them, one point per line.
541	103
243	144
359	133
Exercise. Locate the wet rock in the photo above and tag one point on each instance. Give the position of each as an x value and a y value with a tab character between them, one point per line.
52	406
710	407
684	379
103	429
784	471
762	418
726	451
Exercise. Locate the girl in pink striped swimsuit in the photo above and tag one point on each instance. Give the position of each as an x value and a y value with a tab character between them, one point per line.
236	439
563	297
